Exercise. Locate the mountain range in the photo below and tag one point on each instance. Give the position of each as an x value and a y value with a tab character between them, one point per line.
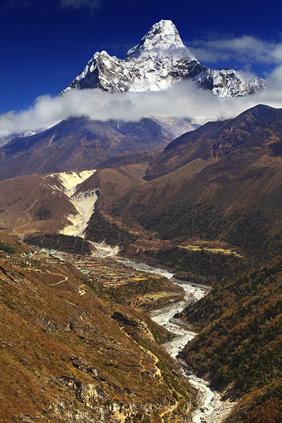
208	184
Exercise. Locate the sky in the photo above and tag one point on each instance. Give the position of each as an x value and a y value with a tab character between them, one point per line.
46	43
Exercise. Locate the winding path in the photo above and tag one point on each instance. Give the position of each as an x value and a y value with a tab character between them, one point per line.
62	281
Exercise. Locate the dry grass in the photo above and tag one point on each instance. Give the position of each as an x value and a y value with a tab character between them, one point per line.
54	341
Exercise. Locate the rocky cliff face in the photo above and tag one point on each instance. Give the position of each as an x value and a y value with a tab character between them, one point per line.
156	63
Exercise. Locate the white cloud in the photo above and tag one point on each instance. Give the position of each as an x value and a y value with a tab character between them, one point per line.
182	100
245	49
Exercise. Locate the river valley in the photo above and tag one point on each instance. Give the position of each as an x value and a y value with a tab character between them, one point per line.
210	407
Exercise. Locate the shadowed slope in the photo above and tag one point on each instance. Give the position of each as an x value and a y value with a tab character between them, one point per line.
213	140
81	143
236	198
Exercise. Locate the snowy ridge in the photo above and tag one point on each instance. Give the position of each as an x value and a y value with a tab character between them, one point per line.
156	63
227	83
153	72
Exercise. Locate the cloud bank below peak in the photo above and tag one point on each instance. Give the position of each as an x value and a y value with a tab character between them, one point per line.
182	100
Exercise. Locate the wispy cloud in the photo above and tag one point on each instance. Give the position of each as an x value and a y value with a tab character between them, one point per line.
62	4
245	49
91	4
78	4
11	4
182	100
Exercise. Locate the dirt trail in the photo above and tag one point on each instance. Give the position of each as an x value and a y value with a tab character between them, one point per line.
62	281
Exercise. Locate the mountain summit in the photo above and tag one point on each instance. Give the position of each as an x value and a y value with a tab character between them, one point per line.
156	63
162	36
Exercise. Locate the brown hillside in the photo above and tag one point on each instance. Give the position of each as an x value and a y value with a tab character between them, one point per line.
81	143
31	204
213	140
68	356
12	245
114	182
235	199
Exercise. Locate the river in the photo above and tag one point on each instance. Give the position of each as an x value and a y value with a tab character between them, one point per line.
211	408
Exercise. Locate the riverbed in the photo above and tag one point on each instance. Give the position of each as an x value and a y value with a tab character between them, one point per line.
211	408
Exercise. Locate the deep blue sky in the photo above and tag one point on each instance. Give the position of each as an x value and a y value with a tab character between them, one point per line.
46	43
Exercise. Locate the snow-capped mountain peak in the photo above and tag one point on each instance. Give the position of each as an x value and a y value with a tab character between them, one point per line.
156	63
162	36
